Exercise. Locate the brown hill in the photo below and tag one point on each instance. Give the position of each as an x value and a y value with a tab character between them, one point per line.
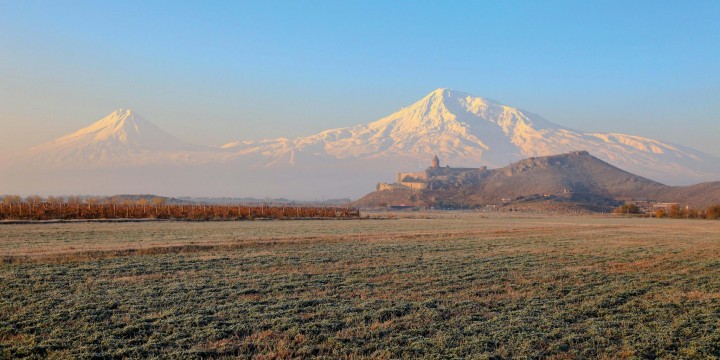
697	196
576	177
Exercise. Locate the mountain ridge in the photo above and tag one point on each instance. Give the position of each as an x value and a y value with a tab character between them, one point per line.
469	130
462	129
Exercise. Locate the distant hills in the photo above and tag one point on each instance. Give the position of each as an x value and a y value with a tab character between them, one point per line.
575	177
125	153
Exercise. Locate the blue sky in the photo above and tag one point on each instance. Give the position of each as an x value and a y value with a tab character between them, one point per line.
213	71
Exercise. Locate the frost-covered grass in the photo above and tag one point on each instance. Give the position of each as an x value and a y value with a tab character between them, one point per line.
448	286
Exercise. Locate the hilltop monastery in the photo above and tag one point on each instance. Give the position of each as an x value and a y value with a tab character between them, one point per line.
423	179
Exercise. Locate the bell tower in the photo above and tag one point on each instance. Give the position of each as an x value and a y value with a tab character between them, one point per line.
435	162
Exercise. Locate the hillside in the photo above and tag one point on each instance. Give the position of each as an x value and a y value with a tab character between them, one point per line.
575	177
698	195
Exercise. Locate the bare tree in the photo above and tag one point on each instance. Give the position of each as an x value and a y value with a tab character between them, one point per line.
12	199
74	199
675	211
55	199
34	199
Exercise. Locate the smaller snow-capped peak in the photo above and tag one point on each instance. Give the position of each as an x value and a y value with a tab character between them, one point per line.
122	125
127	128
118	119
122	136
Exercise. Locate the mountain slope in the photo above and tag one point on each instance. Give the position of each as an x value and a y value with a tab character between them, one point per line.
698	195
466	130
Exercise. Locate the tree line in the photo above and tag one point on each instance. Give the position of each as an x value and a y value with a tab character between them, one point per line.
34	207
674	211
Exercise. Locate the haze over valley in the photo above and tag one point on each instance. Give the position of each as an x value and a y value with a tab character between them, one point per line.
126	153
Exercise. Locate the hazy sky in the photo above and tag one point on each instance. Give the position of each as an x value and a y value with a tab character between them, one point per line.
213	71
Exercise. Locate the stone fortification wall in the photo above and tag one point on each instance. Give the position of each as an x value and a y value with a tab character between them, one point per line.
451	171
400	185
420	176
384	186
414	185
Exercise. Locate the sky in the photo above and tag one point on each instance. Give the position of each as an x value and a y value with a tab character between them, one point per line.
212	72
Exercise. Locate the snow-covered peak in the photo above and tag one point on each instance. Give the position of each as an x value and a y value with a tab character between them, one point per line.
450	99
445	110
118	137
125	126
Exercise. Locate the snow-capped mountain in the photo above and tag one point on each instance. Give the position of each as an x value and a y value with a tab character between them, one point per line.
124	153
465	130
122	138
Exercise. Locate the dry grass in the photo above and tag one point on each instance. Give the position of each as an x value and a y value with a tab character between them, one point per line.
448	285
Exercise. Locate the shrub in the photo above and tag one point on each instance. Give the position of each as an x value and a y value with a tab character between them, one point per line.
713	212
676	212
627	209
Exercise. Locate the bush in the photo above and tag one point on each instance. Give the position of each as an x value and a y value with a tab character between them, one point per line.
713	212
676	212
627	209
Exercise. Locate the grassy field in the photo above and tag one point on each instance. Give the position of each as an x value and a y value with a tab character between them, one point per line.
453	285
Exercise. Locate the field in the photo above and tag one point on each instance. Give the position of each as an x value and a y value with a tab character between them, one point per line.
437	285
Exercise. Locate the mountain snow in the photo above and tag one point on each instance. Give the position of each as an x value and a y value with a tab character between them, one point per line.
463	130
466	130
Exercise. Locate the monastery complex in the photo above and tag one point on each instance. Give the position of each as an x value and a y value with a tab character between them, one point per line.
423	179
